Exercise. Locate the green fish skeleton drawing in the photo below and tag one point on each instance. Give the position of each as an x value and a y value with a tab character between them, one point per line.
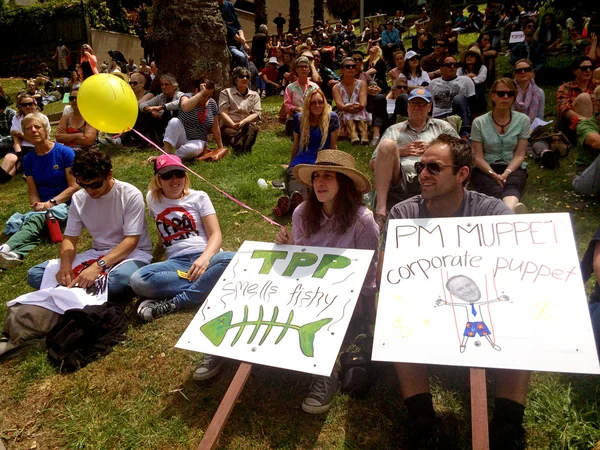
216	329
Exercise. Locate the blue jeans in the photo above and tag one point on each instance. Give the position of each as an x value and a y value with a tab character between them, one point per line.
460	107
160	280
119	290
239	58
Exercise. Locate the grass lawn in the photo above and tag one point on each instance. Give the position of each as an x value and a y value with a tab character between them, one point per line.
142	395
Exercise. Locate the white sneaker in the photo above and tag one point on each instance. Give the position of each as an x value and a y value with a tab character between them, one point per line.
8	260
211	366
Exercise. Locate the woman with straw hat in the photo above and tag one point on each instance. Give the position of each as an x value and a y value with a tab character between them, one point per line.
334	216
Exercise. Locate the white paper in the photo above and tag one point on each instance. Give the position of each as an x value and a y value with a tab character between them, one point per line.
514	279
537	122
516	36
296	308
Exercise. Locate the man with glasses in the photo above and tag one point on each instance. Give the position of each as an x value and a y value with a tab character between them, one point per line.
443	172
326	78
433	62
400	148
587	181
530	49
453	94
160	109
114	215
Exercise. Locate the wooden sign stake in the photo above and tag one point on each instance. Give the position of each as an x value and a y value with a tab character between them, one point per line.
479	410
215	428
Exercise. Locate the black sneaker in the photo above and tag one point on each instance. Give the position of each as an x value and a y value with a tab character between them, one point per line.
151	309
504	436
425	434
211	366
322	391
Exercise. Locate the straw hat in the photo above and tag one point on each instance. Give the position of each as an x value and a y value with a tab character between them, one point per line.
334	161
472	51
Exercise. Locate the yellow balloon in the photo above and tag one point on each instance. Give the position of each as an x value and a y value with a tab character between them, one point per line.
107	103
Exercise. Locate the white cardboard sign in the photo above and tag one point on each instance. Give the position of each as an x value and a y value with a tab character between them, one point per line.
494	291
284	306
516	36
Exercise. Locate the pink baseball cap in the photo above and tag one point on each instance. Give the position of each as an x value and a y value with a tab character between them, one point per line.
166	163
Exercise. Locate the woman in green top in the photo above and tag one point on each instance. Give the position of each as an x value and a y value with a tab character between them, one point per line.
500	140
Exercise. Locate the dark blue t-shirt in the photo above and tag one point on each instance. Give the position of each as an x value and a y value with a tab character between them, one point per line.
309	155
48	171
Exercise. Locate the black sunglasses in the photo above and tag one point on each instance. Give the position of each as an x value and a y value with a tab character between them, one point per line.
434	168
96	185
247	76
585	68
440	45
349	66
173	173
25	105
451	65
524	70
505	93
358	60
72	98
133	83
400	86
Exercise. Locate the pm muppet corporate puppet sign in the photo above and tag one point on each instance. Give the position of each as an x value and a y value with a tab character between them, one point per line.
281	305
496	291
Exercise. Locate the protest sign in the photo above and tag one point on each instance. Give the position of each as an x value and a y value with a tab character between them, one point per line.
281	305
495	291
516	36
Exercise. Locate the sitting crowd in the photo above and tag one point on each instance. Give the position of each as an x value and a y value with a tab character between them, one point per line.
432	132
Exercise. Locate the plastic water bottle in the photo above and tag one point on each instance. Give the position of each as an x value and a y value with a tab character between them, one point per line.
53	228
262	183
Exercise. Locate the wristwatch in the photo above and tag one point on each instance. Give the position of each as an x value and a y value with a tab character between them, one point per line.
165	108
101	263
53	201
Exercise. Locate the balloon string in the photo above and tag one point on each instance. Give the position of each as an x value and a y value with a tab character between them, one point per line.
230	197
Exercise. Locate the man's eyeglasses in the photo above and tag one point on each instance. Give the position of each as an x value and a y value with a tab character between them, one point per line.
134	83
349	66
451	65
585	68
524	70
173	173
433	167
72	98
505	93
96	185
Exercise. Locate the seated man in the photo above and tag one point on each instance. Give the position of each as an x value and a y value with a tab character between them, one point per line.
113	213
6	117
587	181
160	109
239	110
432	63
400	148
444	172
530	49
453	94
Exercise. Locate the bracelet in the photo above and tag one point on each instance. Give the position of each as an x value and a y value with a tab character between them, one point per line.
509	171
491	172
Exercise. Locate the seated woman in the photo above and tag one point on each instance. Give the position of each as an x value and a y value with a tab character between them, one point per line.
398	65
50	186
375	66
489	52
240	111
191	237
397	99
187	134
500	140
314	130
295	92
74	81
333	216
549	33
471	65
350	96
26	105
73	130
415	76
35	93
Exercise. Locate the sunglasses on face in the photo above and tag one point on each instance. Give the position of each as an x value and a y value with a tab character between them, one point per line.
585	68
165	84
451	65
358	60
349	66
25	105
133	83
173	173
523	70
317	56
440	45
433	167
246	76
96	185
317	102
504	93
401	86
302	67
72	98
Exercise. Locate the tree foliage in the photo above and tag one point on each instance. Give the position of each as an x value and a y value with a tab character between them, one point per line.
294	15
260	14
318	11
343	9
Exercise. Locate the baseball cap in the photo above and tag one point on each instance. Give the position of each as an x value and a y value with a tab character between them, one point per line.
410	54
420	92
166	163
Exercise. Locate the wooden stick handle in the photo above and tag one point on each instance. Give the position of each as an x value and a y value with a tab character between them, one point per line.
479	410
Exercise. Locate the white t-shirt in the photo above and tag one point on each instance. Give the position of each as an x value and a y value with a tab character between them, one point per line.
419	80
110	218
443	92
179	222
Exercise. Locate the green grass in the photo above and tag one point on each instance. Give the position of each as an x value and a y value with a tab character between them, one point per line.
142	395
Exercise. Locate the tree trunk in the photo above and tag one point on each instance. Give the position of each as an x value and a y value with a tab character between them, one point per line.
294	15
318	11
438	16
260	14
188	41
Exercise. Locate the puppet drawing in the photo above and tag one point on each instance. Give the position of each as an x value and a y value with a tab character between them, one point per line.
465	289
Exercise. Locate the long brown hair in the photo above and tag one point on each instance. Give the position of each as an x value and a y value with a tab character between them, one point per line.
347	201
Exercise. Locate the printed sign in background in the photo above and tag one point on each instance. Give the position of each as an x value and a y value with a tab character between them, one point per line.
516	36
496	291
281	305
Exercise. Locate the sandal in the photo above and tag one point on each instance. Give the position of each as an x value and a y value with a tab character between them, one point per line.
283	206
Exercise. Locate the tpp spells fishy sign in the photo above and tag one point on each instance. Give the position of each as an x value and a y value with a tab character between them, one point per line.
494	291
281	305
